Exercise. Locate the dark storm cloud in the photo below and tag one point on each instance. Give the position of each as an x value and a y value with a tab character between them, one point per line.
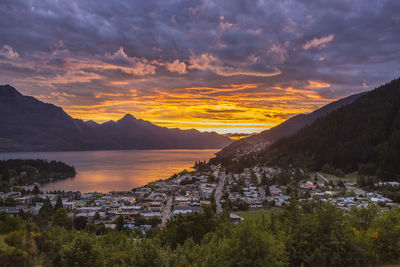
159	48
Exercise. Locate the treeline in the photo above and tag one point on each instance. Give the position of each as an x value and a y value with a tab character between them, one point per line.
363	136
303	234
18	172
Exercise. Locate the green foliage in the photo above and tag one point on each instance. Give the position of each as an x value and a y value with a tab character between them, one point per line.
384	238
194	225
363	136
45	213
83	250
252	244
28	171
9	223
97	216
303	234
59	204
80	223
327	168
120	223
61	219
13	257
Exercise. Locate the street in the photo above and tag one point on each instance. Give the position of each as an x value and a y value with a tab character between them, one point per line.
218	191
167	211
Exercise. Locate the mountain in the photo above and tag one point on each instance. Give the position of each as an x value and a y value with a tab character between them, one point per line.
362	136
27	124
289	127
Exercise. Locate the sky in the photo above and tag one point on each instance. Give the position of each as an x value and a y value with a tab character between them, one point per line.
226	66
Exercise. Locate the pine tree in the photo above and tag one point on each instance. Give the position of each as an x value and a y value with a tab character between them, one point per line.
59	204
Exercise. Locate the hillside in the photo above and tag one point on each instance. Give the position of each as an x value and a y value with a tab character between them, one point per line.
364	136
28	124
289	127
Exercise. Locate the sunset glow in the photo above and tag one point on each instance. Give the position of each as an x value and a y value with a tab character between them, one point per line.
212	65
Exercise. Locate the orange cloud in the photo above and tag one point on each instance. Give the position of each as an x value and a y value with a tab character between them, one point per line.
318	42
127	85
230	108
176	66
317	84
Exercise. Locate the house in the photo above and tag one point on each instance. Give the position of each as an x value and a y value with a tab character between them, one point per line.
150	214
130	208
26	200
383	199
69	205
11	194
235	219
389	183
185	210
11	210
308	186
155	206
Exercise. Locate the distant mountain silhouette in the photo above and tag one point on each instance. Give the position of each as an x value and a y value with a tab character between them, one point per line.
289	127
27	124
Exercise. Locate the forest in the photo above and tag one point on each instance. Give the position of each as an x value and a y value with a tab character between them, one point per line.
363	136
20	172
302	234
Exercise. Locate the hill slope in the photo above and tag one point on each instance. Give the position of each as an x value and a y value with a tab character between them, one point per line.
28	124
364	135
289	127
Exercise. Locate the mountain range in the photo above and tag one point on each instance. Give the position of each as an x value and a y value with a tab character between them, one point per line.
27	124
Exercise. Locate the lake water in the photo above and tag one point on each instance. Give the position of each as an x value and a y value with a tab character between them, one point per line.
119	170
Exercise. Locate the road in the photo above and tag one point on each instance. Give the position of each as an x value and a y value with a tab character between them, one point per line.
167	211
261	190
218	191
356	190
322	177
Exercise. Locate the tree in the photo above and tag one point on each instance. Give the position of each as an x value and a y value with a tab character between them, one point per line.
59	204
120	223
250	245
97	216
13	257
36	190
9	223
317	235
82	251
80	222
45	213
61	219
384	236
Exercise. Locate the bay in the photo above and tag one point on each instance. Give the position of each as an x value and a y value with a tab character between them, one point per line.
117	170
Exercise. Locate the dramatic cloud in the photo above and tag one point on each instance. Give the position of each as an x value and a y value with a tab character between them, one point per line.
8	53
319	42
209	62
176	66
231	66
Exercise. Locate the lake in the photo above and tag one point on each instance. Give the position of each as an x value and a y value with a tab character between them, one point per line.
118	170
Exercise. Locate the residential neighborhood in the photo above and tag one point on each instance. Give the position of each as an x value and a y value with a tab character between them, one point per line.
152	205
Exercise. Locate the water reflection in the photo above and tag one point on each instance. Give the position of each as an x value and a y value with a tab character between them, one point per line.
104	171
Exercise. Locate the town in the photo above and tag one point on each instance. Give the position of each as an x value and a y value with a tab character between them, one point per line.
152	205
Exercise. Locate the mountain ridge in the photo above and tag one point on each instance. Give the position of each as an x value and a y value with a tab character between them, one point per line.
363	136
31	125
288	127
